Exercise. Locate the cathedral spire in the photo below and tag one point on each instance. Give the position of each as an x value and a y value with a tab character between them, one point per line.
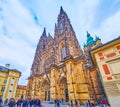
61	10
44	32
55	27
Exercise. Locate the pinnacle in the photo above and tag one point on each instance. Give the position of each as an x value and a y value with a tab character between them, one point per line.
44	32
61	10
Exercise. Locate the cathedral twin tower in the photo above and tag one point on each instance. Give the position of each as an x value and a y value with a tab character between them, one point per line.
60	68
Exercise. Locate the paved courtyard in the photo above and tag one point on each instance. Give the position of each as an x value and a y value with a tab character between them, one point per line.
52	105
44	104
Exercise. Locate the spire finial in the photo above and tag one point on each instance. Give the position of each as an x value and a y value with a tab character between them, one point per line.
44	32
97	38
61	10
87	32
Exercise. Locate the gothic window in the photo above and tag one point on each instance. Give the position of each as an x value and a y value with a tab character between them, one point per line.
43	45
61	29
64	52
61	25
67	51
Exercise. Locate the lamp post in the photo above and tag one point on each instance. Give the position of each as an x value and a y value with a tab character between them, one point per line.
71	71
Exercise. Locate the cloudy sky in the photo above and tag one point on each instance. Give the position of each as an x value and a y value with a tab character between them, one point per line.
22	23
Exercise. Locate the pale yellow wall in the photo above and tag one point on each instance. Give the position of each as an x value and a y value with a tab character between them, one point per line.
111	86
12	81
3	77
112	63
21	92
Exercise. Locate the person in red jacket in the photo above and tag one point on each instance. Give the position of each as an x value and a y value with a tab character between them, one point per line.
104	103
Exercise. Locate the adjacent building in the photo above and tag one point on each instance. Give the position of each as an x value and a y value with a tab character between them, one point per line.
107	58
61	70
8	82
21	92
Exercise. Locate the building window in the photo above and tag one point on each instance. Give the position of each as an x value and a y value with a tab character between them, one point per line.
2	89
6	75
10	91
5	81
0	74
114	67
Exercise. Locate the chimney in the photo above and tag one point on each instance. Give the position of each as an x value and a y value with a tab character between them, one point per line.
7	65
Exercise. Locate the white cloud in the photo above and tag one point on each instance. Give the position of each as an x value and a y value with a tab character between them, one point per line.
109	28
17	45
18	21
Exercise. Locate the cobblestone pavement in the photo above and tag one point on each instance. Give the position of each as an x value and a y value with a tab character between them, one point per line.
52	105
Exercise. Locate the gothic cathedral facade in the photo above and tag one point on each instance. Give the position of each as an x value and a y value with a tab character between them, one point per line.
61	70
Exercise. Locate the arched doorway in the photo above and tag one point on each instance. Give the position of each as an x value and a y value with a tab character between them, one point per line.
45	89
63	89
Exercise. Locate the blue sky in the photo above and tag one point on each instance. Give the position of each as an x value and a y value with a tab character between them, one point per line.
22	23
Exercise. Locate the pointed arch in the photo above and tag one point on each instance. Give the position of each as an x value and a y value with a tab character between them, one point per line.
62	82
45	90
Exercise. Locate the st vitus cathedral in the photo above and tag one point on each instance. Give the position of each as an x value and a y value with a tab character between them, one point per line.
61	70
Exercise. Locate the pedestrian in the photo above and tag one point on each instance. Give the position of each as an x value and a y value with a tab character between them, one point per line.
76	103
31	102
55	102
35	102
104	102
71	103
96	103
11	102
1	102
18	103
87	104
62	100
6	103
39	103
92	105
58	103
25	103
